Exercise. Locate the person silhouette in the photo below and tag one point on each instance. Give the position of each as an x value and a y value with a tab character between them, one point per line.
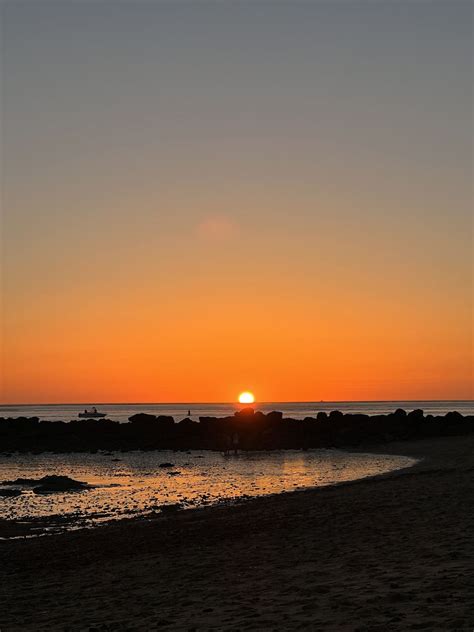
235	442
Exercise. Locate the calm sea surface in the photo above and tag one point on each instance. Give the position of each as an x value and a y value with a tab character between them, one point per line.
297	410
132	483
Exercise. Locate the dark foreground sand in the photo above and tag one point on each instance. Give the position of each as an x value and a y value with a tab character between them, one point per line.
393	553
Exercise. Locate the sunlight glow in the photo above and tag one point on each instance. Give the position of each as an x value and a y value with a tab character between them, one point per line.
246	398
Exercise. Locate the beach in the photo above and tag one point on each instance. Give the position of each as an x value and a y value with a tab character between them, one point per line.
390	553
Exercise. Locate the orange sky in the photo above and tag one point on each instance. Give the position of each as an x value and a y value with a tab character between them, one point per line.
127	343
199	201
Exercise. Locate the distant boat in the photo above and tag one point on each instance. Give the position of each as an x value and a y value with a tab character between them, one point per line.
92	414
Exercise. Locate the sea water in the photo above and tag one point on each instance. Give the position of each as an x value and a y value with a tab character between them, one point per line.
133	483
296	410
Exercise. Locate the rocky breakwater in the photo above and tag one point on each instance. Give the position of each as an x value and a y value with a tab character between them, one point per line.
245	430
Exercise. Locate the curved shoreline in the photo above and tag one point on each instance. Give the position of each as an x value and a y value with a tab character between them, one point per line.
309	470
389	553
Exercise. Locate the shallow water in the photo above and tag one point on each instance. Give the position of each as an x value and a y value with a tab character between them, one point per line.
132	483
296	410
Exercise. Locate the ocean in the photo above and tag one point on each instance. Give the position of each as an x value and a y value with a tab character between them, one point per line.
296	410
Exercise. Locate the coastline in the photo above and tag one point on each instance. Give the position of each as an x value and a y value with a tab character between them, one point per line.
393	552
144	485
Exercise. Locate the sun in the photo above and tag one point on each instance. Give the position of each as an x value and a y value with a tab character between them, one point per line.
246	398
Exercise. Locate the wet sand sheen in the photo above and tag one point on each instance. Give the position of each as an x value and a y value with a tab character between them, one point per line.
391	554
132	484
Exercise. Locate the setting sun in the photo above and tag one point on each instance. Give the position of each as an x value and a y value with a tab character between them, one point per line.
246	398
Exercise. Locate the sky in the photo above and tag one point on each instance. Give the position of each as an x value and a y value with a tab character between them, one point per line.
204	197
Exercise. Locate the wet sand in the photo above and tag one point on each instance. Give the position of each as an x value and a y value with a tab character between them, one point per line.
391	553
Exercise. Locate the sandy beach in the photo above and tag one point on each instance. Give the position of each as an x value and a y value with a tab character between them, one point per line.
391	553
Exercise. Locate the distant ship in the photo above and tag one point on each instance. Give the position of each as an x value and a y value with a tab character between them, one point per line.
92	414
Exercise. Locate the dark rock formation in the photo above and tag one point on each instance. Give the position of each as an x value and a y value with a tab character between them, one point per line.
246	430
9	493
48	484
58	484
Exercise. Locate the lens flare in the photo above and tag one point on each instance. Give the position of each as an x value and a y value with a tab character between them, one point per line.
246	398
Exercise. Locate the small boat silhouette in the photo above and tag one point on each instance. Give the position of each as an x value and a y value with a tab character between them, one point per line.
92	414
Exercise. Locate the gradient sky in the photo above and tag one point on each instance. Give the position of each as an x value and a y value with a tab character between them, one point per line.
205	197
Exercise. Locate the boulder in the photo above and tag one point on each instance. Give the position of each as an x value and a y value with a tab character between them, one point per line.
171	508
9	493
245	412
400	412
61	483
48	484
275	416
25	482
142	418
165	419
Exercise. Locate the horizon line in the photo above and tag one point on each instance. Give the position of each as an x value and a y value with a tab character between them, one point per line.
232	403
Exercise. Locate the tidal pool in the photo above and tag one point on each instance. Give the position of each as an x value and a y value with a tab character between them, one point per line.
126	484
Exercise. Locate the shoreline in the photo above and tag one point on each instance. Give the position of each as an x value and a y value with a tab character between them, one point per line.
391	552
34	526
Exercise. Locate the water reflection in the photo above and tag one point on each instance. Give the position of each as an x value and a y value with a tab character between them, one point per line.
133	483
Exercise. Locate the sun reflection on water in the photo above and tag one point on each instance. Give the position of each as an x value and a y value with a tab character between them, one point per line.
133	483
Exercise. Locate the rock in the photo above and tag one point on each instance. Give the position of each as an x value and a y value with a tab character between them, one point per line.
48	484
400	412
166	465
416	414
9	493
274	416
167	420
142	418
25	482
171	508
245	412
61	483
454	418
